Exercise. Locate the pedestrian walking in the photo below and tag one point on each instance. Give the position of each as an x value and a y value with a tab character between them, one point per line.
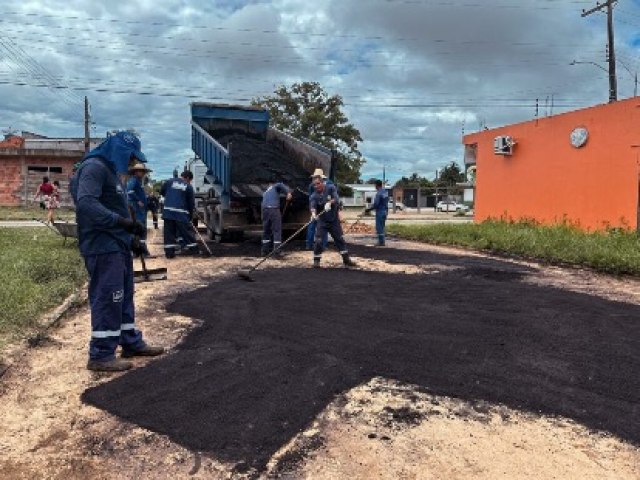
178	212
138	200
323	204
381	206
311	229
106	240
271	216
43	194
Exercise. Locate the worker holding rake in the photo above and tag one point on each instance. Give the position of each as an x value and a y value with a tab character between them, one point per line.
105	237
324	210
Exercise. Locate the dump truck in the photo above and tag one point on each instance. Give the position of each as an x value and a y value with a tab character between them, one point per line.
243	155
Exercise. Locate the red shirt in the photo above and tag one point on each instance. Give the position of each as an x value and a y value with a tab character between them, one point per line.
46	188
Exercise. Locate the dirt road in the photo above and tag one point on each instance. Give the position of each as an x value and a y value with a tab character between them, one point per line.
423	363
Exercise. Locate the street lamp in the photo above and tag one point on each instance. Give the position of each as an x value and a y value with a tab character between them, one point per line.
633	75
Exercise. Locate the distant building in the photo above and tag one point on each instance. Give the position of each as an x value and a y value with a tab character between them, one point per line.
26	158
580	167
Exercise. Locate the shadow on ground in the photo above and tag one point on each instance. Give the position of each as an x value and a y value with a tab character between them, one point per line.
272	354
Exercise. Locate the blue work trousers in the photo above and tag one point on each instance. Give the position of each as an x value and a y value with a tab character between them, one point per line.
178	235
311	233
111	301
271	229
335	229
381	219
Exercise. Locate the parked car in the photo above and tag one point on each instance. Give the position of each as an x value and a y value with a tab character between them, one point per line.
451	206
399	206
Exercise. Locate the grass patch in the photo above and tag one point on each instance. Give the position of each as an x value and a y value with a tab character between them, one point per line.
36	273
614	251
29	213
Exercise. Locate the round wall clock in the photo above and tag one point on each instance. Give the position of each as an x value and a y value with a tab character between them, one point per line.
579	136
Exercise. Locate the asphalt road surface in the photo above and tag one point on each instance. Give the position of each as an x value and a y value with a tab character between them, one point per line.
270	355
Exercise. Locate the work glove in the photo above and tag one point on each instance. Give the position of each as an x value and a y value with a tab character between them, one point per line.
327	206
131	226
314	216
137	247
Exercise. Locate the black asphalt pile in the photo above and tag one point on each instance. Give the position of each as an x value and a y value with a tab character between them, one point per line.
257	161
271	355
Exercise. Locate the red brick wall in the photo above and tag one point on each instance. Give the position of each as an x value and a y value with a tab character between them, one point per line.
10	181
14	175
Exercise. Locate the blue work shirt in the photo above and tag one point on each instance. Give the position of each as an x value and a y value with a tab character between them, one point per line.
327	181
318	200
271	197
135	193
381	202
179	200
101	199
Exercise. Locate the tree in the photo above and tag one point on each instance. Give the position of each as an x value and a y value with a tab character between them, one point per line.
450	175
414	181
306	110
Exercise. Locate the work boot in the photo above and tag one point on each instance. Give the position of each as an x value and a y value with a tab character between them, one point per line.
346	261
146	351
115	365
316	263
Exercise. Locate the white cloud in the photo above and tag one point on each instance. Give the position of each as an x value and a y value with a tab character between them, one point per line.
463	62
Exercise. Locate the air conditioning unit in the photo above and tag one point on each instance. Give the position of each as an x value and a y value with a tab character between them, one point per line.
503	145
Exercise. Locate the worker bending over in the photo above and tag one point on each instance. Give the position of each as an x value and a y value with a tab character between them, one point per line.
178	212
324	210
271	216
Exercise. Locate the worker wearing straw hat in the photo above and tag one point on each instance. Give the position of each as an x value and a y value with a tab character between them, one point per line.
138	199
311	229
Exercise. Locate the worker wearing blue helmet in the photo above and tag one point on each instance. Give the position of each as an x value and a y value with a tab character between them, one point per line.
106	239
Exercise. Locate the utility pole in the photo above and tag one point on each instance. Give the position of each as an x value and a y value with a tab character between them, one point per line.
86	125
613	83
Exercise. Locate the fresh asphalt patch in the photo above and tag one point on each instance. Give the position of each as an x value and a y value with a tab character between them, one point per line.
270	355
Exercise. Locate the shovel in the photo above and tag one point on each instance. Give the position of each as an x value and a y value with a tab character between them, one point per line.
195	229
147	274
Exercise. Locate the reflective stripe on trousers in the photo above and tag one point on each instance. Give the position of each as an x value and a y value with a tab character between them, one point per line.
111	301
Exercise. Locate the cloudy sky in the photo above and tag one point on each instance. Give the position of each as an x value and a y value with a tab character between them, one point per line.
414	74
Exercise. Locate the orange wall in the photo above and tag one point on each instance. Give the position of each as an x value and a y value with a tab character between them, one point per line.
549	180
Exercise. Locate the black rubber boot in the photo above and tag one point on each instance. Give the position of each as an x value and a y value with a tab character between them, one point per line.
346	261
316	263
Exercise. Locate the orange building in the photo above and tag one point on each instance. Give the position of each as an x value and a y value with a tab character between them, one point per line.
580	167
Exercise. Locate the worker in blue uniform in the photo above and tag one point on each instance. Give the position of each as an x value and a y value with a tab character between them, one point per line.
138	199
271	216
323	204
311	229
178	212
106	239
381	206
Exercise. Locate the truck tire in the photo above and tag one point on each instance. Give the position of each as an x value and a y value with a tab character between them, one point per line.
217	224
